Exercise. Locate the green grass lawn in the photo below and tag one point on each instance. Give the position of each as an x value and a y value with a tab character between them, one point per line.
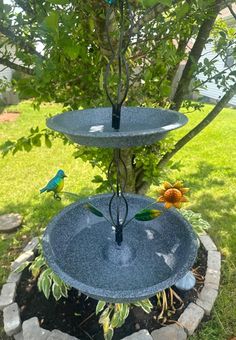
209	169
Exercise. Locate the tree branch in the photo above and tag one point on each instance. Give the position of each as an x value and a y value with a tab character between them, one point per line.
149	15
194	57
15	66
231	10
213	77
19	41
197	129
25	6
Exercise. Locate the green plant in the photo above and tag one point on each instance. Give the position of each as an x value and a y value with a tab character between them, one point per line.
47	281
166	300
114	314
196	220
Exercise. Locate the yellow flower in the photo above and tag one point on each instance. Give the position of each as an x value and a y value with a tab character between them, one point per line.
173	195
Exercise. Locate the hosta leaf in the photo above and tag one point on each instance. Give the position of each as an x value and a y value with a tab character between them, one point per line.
115	321
109	334
104	318
93	210
56	291
22	267
46	284
100	306
64	290
145	305
56	279
147	214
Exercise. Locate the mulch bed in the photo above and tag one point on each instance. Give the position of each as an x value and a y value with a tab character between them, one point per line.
9	116
76	314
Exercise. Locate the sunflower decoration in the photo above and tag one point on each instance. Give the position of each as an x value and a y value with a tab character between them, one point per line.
173	195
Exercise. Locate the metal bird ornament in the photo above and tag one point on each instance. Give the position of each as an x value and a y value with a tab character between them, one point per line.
111	2
55	185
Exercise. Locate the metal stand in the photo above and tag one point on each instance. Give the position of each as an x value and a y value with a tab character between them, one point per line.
118	206
118	58
117	172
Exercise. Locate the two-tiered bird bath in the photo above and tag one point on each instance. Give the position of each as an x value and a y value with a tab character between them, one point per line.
125	259
113	262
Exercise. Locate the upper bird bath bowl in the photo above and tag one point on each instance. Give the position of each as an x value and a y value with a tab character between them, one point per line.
80	248
139	126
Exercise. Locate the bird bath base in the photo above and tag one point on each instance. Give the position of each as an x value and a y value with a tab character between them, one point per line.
80	247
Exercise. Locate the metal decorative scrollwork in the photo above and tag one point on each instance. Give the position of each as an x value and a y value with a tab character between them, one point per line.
117	171
118	206
118	56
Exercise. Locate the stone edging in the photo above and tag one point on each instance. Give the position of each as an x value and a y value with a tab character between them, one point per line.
186	325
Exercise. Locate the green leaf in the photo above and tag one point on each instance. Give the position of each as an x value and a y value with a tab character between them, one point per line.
56	291
27	145
104	318
145	305
147	214
97	179
93	210
149	3
46	282
6	147
109	334
70	49
36	140
101	80
115	321
182	10
125	311
48	143
56	279
22	267
64	290
51	21
59	2
100	306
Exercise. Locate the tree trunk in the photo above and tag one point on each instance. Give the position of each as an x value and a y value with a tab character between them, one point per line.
194	56
204	123
135	176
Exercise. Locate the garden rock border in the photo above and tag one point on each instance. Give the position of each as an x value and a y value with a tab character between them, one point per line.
187	323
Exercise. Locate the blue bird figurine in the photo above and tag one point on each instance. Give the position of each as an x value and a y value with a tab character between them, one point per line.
56	184
111	2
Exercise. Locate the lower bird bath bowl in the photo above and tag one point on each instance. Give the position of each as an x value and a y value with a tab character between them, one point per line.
80	247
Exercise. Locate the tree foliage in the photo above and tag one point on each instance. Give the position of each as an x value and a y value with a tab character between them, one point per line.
74	50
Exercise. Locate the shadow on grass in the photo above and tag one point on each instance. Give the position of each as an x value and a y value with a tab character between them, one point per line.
202	176
218	210
40	209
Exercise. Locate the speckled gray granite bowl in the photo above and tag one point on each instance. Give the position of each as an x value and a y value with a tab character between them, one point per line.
80	248
139	126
